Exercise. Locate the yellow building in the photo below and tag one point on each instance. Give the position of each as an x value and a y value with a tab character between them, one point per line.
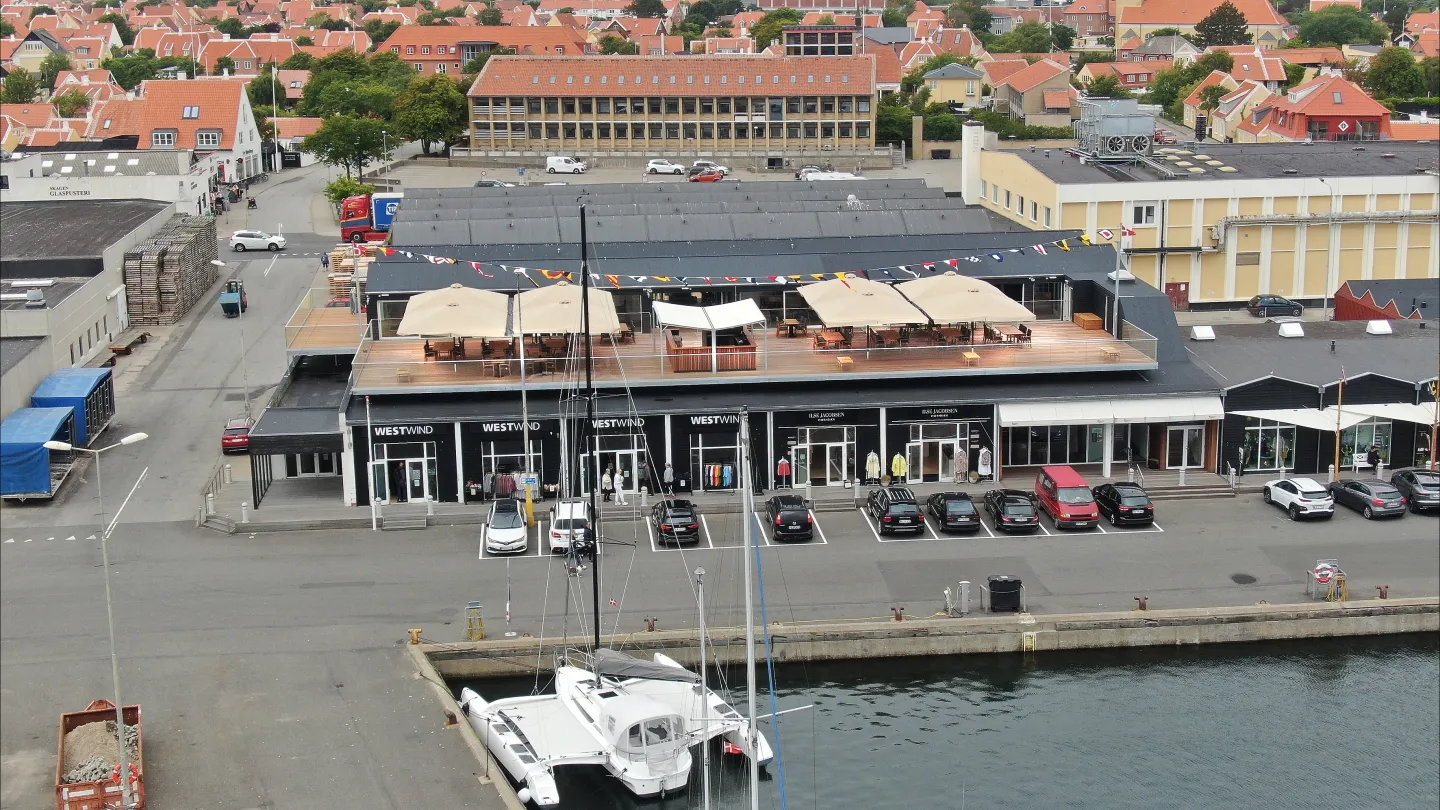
955	84
1139	19
1224	222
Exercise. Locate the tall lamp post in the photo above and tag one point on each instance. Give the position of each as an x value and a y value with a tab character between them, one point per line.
125	789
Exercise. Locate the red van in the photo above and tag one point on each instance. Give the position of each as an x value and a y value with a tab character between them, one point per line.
1066	497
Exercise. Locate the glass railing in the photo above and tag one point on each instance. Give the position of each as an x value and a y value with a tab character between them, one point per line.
326	320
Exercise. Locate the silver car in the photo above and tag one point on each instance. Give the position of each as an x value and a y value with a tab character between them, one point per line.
241	241
505	531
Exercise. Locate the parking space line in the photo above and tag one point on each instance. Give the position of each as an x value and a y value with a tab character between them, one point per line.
761	527
986	528
650	535
541	539
882	538
1150	529
483	527
706	525
1098	526
933	534
816	523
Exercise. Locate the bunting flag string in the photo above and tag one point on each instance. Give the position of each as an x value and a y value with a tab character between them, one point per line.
903	272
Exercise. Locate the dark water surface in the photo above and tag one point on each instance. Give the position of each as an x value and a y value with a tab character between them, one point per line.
1346	723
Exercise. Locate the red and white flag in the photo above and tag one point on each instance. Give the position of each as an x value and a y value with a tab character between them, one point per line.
1124	231
1106	233
1039	249
613	603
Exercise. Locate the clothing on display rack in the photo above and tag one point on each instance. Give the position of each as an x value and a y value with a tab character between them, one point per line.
899	468
782	473
985	463
872	468
718	476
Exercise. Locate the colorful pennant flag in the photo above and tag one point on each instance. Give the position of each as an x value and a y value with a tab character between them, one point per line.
613	280
1106	233
1063	244
1040	249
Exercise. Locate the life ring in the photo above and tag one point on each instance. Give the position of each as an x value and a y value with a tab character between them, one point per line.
134	774
1324	573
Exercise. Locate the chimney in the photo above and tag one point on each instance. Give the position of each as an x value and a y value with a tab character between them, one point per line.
225	73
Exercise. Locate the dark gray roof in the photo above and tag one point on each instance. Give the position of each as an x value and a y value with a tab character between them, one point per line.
41	233
61	289
15	349
1166	45
1252	160
954	71
889	36
314	382
95	163
1243	353
1408	294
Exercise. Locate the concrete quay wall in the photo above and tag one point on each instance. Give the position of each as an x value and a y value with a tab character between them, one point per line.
972	635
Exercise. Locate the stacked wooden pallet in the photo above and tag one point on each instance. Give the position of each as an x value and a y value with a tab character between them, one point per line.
347	271
170	272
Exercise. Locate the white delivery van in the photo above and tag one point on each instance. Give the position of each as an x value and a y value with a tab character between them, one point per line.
564	165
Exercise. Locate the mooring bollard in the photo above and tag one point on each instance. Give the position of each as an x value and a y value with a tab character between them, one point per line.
899	613
1130	474
1142	603
1331	479
430	507
1380	470
209	504
1384	591
229	475
650	623
644	497
244	511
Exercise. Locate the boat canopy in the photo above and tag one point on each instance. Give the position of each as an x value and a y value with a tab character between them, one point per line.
619	665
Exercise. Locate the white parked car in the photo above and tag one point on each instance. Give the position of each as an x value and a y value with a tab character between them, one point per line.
662	166
505	531
1300	497
241	241
560	164
568	520
812	176
708	164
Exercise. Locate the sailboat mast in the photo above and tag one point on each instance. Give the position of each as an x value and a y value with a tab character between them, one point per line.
590	420
747	532
704	693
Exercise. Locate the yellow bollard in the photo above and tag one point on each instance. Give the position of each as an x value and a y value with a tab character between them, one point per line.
415	634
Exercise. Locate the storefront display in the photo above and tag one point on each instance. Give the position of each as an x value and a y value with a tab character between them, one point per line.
941	443
495	449
712	447
824	446
1268	446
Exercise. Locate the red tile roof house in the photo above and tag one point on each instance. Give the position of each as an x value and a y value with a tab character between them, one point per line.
99	85
1192	102
1131	75
249	55
1327	108
1023	94
207	114
445	49
1235	108
291	132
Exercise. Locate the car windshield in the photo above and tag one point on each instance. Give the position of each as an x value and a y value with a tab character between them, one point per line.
1134	500
507	520
569	524
1075	495
958	507
1019	508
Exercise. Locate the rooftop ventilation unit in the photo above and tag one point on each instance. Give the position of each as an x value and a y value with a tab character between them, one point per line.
1202	333
1379	328
35	299
1291	330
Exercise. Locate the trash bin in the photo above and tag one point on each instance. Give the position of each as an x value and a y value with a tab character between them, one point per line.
1004	593
939	154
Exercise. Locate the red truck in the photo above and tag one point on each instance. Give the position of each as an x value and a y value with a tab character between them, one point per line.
367	217
105	792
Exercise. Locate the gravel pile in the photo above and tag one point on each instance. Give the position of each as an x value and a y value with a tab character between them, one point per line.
91	752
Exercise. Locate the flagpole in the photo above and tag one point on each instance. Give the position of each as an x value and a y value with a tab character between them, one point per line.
1339	405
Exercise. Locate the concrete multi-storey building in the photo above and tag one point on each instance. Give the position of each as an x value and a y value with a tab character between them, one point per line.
642	103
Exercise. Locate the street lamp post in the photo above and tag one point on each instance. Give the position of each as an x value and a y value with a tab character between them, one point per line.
125	789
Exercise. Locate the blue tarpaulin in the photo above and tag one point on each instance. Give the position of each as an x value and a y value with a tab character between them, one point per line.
24	461
71	388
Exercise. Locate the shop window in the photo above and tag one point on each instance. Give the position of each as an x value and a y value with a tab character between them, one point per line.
1355	442
1055	444
390	314
1268	446
309	465
714	461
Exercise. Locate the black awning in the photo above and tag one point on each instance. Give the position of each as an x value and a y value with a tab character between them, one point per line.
297	430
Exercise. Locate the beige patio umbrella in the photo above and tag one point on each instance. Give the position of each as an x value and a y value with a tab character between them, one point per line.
555	310
854	301
952	298
456	311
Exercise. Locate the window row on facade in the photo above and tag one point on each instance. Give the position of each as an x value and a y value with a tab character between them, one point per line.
621	130
1037	213
166	139
652	105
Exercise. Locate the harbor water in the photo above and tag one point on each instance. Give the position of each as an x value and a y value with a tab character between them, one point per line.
1335	723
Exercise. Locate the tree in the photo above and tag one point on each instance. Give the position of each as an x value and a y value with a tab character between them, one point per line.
1209	63
1210	96
347	141
1224	26
432	19
431	111
826	19
380	31
38	10
768	29
337	25
1164	32
1394	74
1340	25
71	103
6	29
224	65
1106	86
969	13
304	40
942	127
1396	13
892	124
702	10
490	16
1062	37
122	26
364	99
1029	37
647	8
1166	86
299	61
1294	74
892	18
233	27
477	64
342	187
20	87
1088	57
1430	75
51	68
611	44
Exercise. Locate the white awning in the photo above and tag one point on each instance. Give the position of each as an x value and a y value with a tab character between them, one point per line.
1124	411
1423	414
720	316
1309	417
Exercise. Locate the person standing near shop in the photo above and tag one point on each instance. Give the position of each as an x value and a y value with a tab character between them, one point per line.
607	485
668	479
622	483
1372	459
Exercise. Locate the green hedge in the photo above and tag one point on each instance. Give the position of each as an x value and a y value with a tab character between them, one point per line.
1006	127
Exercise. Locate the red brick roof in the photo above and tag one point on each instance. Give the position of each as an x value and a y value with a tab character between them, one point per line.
1309	56
1422	20
535	39
1001	69
1032	76
1057	99
1317	97
32	116
1415	130
668	76
1190	12
219	102
1263	69
1215	77
296	127
887	65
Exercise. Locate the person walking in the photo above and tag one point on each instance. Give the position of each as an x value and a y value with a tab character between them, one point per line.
324	261
607	485
622	483
668	479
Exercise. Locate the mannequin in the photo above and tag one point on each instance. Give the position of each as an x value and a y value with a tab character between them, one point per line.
782	473
986	463
872	467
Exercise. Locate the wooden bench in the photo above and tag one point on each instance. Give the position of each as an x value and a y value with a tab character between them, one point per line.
846	364
1111	353
971	357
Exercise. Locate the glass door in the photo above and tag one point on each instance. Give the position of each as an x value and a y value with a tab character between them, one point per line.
800	465
379	482
948	451
835	465
1185	448
914	461
418	480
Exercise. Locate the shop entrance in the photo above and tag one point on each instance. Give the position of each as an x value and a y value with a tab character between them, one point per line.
1185	447
822	456
932	460
404	472
624	466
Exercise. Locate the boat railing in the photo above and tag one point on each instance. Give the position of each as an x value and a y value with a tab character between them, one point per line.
575	657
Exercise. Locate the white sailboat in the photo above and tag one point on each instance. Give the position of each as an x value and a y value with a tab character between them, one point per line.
637	719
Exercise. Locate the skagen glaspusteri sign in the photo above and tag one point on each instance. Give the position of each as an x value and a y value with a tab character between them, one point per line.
403	431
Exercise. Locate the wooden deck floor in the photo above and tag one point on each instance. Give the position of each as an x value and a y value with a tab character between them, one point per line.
401	363
334	328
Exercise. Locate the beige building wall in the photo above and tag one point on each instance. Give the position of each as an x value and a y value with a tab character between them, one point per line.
963	91
1286	250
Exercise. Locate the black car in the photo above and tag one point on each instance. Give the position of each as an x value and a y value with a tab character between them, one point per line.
789	518
953	512
1372	498
1125	504
894	510
1419	486
676	521
1264	306
490	183
1012	510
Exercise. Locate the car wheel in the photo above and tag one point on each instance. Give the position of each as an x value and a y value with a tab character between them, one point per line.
274	247
551	170
1266	496
1294	512
1111	516
239	248
1368	513
654	171
1295	312
1264	313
